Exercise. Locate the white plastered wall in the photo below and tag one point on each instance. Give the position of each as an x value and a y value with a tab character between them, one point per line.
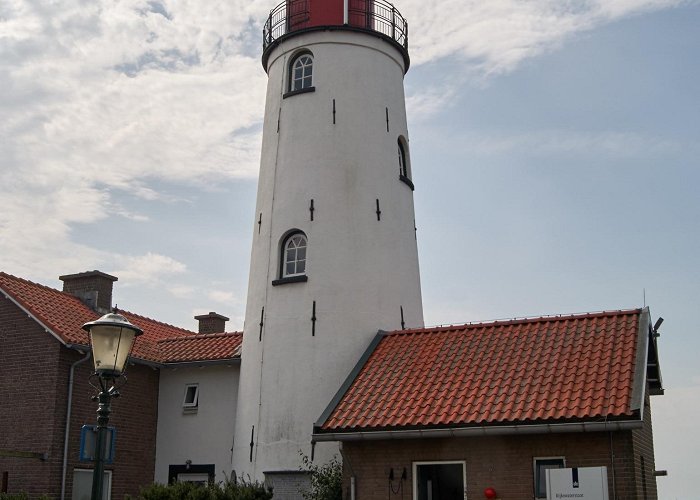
204	437
360	270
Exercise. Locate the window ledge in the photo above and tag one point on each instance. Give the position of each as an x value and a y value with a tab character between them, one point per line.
299	91
189	410
407	181
290	279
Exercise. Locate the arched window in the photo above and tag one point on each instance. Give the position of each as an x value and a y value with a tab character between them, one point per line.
294	255
301	71
403	165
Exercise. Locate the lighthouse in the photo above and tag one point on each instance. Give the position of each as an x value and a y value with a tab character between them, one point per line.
334	255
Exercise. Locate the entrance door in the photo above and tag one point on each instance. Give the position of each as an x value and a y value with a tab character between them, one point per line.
439	481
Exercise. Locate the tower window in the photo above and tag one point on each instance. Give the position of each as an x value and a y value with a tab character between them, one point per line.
294	255
301	72
404	169
292	259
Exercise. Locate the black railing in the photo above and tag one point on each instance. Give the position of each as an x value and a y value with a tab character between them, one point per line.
372	15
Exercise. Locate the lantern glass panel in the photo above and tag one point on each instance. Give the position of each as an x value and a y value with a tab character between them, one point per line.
110	347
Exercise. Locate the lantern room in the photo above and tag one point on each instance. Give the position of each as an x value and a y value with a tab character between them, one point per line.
298	16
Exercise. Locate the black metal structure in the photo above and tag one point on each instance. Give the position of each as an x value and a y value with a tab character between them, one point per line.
378	17
108	387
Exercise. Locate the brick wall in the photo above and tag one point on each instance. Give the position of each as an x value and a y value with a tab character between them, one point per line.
33	403
643	446
28	385
502	462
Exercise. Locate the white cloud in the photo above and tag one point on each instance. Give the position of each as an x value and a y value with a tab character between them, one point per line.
496	36
182	291
107	96
149	269
549	142
222	296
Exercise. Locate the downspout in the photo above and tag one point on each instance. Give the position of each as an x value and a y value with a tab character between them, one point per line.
64	470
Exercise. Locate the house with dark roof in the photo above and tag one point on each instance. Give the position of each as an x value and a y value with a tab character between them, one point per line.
450	412
45	393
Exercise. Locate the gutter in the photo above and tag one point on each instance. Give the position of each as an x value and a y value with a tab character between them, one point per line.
500	430
639	383
66	434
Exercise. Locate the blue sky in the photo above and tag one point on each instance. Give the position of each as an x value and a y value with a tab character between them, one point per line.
554	148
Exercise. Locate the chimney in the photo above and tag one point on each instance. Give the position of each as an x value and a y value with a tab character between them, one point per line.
94	288
212	323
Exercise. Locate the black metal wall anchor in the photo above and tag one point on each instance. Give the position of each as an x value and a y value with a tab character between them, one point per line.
387	118
403	323
313	320
252	442
262	314
259	222
333	111
378	212
311	209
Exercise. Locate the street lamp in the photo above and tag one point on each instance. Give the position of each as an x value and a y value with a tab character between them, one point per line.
111	338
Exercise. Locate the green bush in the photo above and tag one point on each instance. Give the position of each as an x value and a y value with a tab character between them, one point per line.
326	479
226	490
14	496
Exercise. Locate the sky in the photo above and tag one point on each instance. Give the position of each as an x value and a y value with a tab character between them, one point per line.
554	149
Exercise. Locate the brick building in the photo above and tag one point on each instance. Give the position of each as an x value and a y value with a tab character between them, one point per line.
459	409
45	395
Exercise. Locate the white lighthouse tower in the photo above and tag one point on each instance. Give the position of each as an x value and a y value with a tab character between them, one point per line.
334	255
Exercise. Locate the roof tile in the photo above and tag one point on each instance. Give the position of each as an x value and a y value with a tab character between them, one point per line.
543	369
64	314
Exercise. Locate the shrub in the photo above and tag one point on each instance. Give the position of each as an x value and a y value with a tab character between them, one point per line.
326	479
229	489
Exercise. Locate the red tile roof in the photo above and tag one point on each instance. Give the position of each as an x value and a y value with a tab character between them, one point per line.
64	314
207	346
544	370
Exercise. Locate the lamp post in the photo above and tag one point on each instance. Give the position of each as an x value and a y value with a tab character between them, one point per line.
111	338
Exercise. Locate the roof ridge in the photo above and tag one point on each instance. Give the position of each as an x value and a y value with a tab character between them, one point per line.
140	316
517	321
197	336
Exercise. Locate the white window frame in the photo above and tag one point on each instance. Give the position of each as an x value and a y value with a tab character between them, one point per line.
415	465
285	243
190	477
298	84
534	472
193	405
106	482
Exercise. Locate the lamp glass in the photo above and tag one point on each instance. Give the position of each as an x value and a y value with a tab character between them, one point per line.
111	346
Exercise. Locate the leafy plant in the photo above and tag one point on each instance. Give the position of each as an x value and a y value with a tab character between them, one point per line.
229	489
326	479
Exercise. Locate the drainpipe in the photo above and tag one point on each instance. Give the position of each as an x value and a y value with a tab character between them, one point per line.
67	431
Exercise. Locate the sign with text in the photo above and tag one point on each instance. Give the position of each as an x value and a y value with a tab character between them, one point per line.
577	483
